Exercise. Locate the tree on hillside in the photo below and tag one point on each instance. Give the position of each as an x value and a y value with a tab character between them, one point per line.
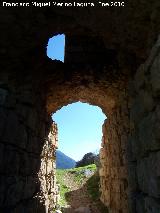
87	159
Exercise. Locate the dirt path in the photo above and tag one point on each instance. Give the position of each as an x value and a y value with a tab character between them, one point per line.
78	198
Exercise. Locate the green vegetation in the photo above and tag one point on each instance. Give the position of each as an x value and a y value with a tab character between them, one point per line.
87	176
92	182
81	172
93	190
79	176
63	188
93	187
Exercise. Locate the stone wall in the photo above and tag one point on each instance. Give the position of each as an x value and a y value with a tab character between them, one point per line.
113	171
130	147
144	142
130	152
47	173
32	87
24	125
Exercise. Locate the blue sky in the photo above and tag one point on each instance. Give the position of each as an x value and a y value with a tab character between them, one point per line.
79	124
55	47
79	129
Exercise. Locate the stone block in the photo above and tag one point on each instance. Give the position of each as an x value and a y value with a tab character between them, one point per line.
11	160
3	96
132	177
116	201
21	136
137	110
149	175
147	136
157	112
26	97
101	172
154	174
32	205
140	204
125	203
22	111
2	189
146	100
156	131
34	144
116	188
30	186
124	139
143	175
14	192
28	164
114	172
140	78
103	141
122	172
157	163
129	152
155	76
152	205
3	121
123	186
15	132
32	119
154	186
131	202
2	164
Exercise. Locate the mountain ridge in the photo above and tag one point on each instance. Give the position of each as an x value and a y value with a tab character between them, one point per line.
63	161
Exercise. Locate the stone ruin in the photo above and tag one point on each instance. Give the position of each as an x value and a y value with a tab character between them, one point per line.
49	192
112	60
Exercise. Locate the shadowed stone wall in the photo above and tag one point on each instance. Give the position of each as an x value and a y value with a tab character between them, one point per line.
27	149
23	127
144	141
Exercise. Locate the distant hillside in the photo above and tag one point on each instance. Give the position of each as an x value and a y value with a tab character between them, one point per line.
63	161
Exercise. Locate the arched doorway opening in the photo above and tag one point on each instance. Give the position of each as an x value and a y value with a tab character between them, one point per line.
79	136
79	128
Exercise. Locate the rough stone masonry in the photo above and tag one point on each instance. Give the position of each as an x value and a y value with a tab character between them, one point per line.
112	60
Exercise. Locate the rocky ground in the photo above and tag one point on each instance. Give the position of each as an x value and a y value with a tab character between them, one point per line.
78	198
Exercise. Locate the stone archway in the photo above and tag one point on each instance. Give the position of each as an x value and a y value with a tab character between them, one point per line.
95	86
26	107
